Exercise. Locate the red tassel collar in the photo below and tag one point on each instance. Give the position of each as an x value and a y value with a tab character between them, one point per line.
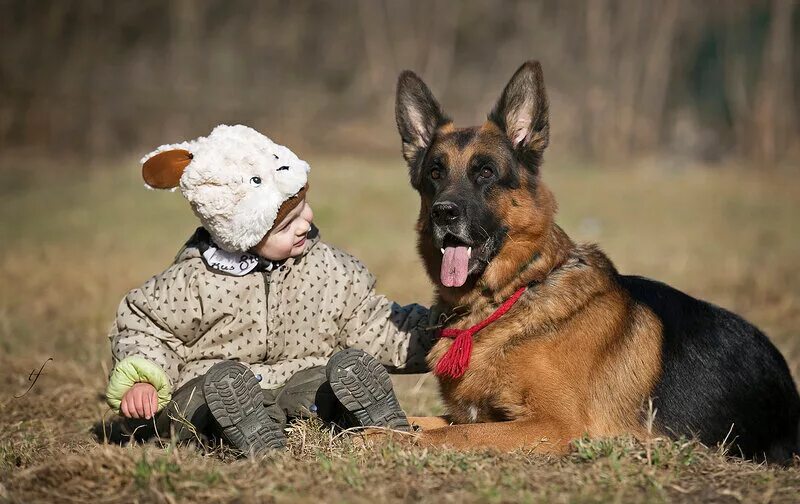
455	361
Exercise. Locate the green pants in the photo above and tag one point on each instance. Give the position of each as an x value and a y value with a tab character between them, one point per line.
306	394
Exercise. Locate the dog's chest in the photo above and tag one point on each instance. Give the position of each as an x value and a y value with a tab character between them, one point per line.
482	393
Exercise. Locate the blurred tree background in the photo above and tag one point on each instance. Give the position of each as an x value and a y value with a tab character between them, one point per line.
693	81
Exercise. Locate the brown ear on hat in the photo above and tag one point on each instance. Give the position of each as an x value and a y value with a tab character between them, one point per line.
164	170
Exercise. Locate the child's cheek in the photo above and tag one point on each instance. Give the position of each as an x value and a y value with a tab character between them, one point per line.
289	247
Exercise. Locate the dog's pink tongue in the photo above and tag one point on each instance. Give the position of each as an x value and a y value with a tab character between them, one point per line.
454	266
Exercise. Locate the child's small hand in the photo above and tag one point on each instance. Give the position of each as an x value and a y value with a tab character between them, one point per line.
140	401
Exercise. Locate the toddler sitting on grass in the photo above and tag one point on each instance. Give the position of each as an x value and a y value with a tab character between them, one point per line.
257	321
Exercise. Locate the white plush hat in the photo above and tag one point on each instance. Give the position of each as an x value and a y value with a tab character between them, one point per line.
236	180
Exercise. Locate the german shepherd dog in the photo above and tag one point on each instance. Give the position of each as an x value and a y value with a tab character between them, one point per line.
562	344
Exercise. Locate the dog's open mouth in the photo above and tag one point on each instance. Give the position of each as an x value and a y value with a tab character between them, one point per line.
455	262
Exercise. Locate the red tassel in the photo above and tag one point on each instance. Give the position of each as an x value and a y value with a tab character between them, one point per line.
455	361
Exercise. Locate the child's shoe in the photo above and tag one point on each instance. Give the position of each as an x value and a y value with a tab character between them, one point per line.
236	402
364	388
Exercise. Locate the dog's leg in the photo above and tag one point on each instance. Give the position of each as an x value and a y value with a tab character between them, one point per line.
420	423
542	437
428	423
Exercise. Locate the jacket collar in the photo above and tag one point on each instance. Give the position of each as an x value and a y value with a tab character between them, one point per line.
234	263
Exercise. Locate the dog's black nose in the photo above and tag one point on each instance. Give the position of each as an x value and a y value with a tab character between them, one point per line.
445	212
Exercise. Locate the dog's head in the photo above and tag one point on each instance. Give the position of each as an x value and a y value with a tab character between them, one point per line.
483	208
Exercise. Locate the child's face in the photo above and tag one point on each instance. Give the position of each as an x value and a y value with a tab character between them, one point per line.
288	239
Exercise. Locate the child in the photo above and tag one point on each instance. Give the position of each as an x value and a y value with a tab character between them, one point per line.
257	320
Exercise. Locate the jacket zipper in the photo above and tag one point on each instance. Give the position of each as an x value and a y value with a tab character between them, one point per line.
267	334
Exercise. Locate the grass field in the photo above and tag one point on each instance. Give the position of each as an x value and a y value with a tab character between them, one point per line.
75	240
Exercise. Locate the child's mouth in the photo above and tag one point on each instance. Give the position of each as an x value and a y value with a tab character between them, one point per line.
300	243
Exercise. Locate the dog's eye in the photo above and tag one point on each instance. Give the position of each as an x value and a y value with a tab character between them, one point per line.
436	173
486	172
256	181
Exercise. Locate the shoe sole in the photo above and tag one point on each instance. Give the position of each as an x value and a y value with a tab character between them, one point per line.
364	388
235	401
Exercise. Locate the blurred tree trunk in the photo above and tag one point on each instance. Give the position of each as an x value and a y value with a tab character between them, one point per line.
629	56
440	51
736	89
380	56
180	72
598	52
657	68
774	121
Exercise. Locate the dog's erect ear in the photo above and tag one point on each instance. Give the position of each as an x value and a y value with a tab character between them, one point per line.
164	170
418	115
522	110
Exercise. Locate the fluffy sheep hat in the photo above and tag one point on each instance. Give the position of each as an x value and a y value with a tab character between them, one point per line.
239	183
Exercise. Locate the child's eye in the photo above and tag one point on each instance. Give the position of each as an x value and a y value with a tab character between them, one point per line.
256	181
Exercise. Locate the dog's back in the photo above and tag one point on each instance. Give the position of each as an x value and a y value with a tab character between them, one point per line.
743	390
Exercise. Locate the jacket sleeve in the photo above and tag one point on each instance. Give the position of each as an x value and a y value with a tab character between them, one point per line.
398	336
144	347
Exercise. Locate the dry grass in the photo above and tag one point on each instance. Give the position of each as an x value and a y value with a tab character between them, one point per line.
75	241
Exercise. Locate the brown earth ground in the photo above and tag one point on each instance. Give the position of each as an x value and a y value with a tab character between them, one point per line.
75	240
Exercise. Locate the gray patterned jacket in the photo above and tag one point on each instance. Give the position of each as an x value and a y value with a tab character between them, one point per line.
278	319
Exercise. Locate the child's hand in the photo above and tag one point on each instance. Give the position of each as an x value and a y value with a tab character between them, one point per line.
140	401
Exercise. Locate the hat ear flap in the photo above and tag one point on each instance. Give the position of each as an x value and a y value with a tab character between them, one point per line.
164	170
